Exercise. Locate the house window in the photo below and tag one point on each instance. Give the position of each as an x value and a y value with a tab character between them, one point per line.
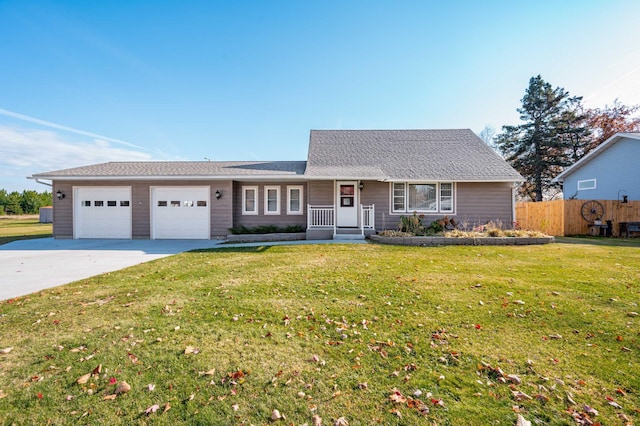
271	200
399	197
294	199
98	203
446	197
586	184
124	203
249	200
111	204
86	204
422	197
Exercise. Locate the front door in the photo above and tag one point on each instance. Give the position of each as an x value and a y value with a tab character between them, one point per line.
346	204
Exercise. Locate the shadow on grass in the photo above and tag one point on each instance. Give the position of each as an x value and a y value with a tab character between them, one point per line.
222	248
600	241
5	240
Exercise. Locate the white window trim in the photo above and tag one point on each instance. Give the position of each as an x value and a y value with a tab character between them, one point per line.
453	198
408	210
587	184
300	188
266	200
244	200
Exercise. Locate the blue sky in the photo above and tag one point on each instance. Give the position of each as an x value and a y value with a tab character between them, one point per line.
83	82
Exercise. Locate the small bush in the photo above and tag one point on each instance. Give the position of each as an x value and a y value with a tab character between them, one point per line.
266	229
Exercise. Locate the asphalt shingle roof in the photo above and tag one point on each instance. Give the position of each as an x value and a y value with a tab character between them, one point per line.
457	155
210	169
393	155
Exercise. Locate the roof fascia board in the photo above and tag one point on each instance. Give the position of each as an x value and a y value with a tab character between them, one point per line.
597	150
198	177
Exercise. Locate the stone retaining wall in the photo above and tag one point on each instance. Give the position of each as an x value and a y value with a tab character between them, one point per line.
445	241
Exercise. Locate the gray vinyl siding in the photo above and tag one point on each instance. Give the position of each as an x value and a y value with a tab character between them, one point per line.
615	169
62	211
474	204
321	193
283	219
479	203
221	218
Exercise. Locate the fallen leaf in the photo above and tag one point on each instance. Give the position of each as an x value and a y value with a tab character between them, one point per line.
590	411
397	397
235	407
3	394
521	421
520	396
208	373
167	407
152	409
275	415
83	379
97	370
123	387
341	422
514	379
151	387
317	420
110	397
6	350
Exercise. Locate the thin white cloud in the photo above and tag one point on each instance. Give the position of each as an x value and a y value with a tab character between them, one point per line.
28	151
34	120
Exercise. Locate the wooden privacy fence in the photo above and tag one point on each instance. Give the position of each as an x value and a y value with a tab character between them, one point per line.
563	217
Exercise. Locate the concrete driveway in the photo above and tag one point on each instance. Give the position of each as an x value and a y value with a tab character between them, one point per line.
28	266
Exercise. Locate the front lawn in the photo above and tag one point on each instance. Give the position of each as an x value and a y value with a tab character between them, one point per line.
368	334
17	228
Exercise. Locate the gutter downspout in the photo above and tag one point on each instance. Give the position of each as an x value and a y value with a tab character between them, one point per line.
43	183
513	205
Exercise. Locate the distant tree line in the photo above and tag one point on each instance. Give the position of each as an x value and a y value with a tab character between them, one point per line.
556	130
26	202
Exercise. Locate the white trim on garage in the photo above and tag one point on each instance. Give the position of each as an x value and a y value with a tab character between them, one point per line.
180	212
102	212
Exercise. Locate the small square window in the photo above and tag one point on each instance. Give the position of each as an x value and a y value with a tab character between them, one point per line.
111	204
124	203
86	204
188	204
99	203
162	204
202	204
175	203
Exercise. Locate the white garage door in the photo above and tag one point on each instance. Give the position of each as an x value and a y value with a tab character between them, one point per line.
102	212
180	213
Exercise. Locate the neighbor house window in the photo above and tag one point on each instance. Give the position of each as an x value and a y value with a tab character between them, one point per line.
271	200
294	199
586	184
422	197
249	200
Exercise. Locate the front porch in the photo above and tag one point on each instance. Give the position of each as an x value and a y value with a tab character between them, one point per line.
322	223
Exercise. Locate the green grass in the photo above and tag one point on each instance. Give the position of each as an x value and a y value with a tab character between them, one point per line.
301	329
23	229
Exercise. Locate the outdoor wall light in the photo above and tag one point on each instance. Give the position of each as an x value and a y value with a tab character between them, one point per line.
625	200
361	185
60	195
218	194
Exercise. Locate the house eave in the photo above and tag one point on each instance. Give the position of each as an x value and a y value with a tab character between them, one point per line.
173	178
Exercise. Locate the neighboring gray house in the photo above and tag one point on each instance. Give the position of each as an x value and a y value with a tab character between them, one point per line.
354	181
609	172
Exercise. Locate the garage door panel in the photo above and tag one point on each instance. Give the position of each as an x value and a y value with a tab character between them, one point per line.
180	213
102	212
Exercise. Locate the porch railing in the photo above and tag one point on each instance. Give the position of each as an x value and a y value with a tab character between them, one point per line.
325	217
367	217
321	217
